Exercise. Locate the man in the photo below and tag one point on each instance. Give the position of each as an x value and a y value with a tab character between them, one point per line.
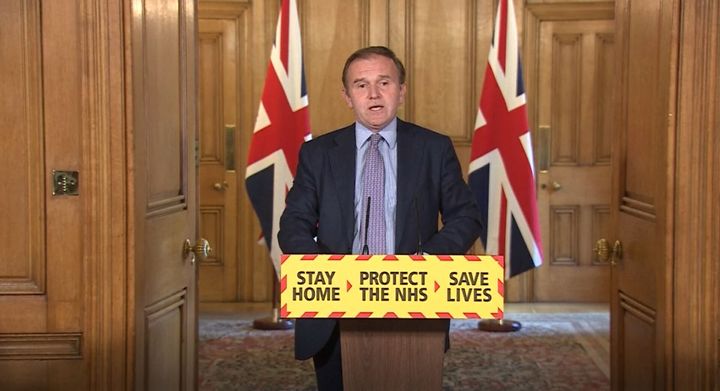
394	175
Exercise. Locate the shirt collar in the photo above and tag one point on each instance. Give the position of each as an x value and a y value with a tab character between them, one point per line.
389	133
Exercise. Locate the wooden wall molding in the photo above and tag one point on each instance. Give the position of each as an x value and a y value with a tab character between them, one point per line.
212	219
565	225
571	11
637	309
378	21
159	309
696	328
567	58
404	48
222	9
105	227
24	259
24	286
600	227
604	79
638	208
41	346
212	144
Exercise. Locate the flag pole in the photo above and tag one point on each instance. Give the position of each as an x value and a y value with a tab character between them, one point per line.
499	325
282	135
502	111
274	322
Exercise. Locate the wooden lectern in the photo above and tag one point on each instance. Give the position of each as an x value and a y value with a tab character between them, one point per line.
392	354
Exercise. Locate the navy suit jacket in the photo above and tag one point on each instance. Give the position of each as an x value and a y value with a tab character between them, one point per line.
321	205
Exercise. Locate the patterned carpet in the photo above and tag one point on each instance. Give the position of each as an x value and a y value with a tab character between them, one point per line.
566	351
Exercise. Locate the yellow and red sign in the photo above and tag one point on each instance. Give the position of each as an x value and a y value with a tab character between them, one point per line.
392	286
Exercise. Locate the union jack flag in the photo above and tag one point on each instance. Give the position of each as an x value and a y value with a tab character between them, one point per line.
501	172
282	125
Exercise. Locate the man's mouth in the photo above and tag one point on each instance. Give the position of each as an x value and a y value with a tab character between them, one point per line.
376	108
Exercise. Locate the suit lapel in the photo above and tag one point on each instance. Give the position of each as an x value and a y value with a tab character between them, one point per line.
410	159
342	165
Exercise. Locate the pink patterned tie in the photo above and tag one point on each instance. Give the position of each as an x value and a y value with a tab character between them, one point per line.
374	187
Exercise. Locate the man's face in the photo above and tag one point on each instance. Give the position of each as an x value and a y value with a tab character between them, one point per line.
374	91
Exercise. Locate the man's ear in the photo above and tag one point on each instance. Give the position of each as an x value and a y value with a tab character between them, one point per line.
403	91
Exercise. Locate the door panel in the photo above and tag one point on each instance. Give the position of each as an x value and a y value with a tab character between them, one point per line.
638	332
164	123
571	62
23	206
642	203
43	329
164	336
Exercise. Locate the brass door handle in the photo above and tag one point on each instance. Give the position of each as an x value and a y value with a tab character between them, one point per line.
602	250
605	254
617	252
554	186
220	187
201	250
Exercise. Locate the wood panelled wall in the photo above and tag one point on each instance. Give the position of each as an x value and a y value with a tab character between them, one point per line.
696	286
444	48
444	45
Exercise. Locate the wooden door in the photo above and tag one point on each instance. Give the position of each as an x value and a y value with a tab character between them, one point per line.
163	115
642	204
218	69
574	123
232	64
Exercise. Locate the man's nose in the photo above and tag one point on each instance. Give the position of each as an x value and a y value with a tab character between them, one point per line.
373	91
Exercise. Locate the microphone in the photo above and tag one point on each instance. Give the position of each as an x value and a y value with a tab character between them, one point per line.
365	249
419	235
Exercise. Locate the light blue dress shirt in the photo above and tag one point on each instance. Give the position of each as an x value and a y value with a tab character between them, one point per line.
388	150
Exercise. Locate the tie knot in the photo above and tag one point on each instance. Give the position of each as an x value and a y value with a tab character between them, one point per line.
375	140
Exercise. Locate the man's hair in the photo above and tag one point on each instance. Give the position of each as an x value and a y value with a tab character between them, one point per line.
371	51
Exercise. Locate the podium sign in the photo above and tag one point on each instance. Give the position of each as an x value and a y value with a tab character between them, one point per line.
392	286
